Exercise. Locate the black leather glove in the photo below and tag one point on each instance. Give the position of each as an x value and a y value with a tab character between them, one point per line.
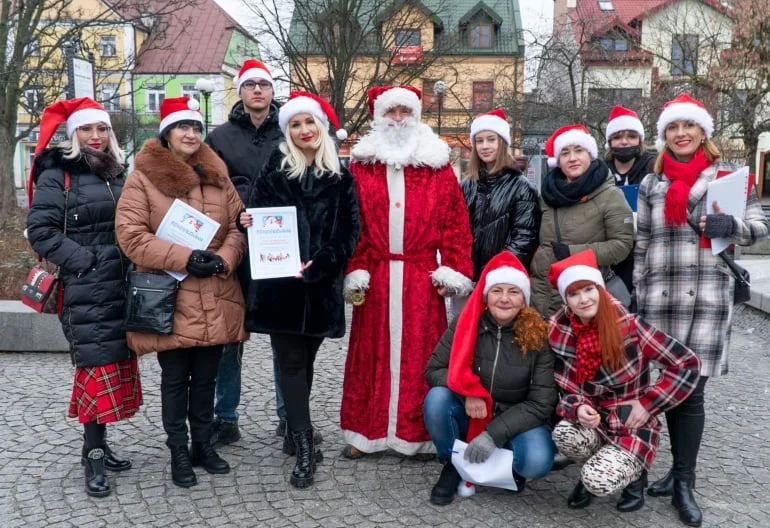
204	264
561	251
719	226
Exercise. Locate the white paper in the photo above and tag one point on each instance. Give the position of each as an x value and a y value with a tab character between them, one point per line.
186	226
730	194
495	472
273	243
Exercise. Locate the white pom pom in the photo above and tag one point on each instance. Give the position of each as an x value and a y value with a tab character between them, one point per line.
552	162
26	235
466	489
341	134
193	104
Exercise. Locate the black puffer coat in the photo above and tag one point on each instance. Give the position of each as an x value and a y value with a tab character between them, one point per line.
93	267
328	223
504	214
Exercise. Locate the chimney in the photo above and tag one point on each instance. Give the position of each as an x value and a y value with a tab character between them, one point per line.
560	19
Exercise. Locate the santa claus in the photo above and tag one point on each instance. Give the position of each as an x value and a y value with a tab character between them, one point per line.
413	217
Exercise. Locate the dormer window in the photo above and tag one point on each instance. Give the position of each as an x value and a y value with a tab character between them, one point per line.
610	43
407	37
606	5
481	36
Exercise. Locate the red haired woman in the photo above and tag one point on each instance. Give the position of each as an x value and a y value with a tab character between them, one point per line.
603	360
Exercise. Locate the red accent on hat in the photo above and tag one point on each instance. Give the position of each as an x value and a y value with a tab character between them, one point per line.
622	118
493	121
683	107
253	69
175	109
580	266
306	102
566	136
375	91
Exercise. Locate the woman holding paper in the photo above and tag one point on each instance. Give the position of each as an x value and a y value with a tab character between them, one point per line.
681	286
299	312
491	379
209	304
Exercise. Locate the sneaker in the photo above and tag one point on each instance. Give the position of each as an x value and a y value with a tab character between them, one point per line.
444	491
224	433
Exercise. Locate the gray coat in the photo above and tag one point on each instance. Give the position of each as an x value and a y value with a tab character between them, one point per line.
681	288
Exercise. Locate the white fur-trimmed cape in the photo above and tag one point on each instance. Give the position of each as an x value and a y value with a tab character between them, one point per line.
427	150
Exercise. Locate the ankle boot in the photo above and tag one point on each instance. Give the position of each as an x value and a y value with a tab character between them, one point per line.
181	468
97	484
684	501
663	487
632	497
203	454
288	442
115	462
580	497
444	491
304	469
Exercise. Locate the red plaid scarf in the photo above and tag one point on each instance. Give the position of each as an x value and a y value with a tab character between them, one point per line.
588	354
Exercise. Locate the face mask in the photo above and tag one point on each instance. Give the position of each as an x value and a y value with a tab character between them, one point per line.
624	154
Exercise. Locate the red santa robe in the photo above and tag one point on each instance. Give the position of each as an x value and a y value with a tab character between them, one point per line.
412	214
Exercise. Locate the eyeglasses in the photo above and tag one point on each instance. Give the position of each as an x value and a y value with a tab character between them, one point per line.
251	85
186	128
101	130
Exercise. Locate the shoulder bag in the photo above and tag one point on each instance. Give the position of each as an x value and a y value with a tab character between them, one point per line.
150	301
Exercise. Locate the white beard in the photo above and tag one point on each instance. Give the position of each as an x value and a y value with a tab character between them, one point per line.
409	143
397	137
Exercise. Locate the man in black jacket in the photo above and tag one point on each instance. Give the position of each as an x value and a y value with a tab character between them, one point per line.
245	143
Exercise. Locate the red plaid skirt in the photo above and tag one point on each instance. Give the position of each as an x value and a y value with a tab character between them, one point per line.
106	394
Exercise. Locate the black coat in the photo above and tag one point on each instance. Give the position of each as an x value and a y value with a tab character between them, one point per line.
505	214
522	387
328	224
93	267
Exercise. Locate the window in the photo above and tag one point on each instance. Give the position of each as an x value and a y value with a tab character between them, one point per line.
483	95
32	49
606	5
407	37
33	98
613	44
601	100
429	97
188	90
325	89
732	106
110	97
481	36
155	95
107	46
684	54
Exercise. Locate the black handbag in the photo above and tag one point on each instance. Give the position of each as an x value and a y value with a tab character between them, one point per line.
150	302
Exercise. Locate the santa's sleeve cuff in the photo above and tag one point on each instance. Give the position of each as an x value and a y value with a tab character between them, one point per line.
357	280
454	280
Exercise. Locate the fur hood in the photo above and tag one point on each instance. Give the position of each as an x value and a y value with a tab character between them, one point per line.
176	178
101	164
428	150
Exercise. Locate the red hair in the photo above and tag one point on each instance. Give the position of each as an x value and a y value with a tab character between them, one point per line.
610	334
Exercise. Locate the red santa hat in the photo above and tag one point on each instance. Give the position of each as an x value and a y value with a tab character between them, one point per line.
683	107
494	121
175	109
310	103
566	136
622	118
577	267
383	98
252	69
503	268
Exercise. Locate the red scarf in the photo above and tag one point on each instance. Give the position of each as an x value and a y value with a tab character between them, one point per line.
682	176
588	353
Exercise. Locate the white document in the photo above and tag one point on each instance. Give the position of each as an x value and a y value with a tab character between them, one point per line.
495	472
186	226
273	243
730	194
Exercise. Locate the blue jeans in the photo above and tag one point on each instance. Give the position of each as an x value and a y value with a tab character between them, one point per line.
446	421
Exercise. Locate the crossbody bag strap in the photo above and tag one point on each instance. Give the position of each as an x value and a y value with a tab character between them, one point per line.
556	224
67	185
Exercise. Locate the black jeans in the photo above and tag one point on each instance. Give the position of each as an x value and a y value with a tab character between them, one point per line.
296	355
685	429
187	381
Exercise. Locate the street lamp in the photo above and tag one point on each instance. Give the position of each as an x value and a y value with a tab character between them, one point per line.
439	87
205	87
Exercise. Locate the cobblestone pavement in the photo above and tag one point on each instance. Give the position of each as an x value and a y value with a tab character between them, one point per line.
41	480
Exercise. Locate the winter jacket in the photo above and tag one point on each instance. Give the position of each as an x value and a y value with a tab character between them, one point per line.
328	226
244	148
209	311
504	214
522	387
92	266
644	165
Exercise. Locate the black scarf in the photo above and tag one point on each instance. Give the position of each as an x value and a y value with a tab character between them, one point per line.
640	169
102	164
557	192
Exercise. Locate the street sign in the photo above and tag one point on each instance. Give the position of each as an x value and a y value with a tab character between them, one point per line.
82	81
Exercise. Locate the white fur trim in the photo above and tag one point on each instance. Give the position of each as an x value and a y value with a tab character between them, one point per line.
86	117
301	105
253	73
427	150
552	162
466	489
397	96
493	124
574	138
357	280
578	273
623	123
455	280
181	115
377	445
683	111
508	275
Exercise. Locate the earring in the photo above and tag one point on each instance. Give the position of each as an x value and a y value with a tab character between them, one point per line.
702	141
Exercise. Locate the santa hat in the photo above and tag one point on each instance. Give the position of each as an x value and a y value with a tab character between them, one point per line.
683	107
175	109
503	268
383	98
494	121
566	136
252	69
577	267
310	103
622	118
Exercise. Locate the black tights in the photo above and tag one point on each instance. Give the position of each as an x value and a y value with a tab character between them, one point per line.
296	355
94	434
685	428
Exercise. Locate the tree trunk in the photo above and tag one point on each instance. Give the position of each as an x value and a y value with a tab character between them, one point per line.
7	185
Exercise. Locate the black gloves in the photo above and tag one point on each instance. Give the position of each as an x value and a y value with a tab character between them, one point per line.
204	264
561	251
719	226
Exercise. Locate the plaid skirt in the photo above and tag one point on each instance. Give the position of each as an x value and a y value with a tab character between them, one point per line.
106	394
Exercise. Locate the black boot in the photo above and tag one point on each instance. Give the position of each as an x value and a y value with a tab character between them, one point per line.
223	433
304	469
520	481
203	454
684	501
115	462
663	487
97	484
181	468
560	462
444	491
290	449
580	497
632	497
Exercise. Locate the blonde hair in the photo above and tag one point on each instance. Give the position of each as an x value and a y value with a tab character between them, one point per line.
71	148
326	160
709	149
503	159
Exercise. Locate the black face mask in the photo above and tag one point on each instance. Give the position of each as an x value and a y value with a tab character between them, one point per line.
624	154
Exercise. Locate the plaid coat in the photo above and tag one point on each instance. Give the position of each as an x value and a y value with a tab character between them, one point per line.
682	288
644	344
